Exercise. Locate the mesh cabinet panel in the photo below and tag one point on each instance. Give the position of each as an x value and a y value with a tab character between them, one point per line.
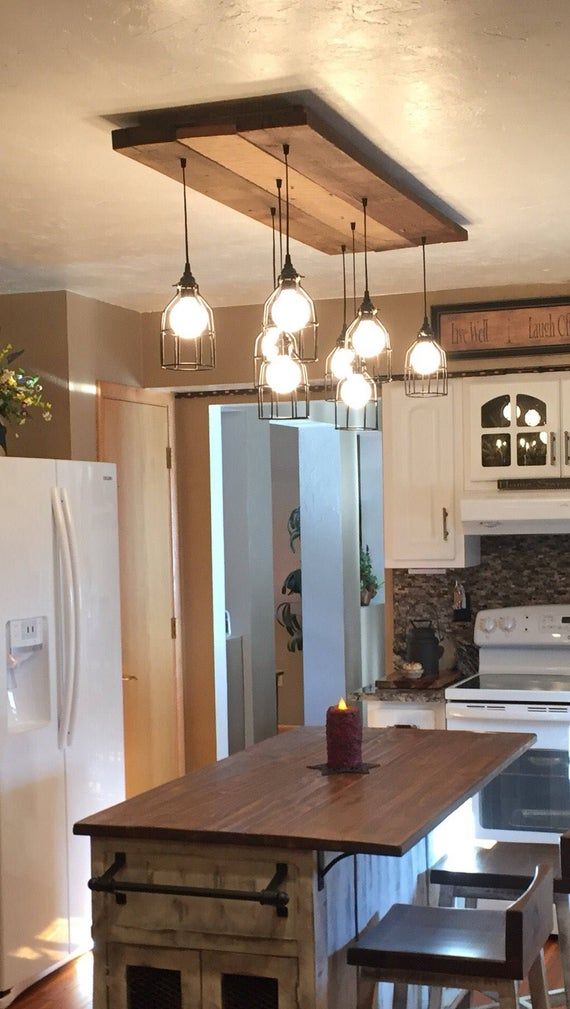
153	988
245	991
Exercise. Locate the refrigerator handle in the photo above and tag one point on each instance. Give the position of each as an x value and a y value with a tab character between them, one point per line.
69	624
76	612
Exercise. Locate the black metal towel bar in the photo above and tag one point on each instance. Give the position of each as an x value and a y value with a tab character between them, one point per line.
270	896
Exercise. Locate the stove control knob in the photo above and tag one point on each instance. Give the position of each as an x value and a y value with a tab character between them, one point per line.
507	624
488	625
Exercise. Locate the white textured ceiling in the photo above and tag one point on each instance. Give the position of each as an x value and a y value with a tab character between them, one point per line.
469	96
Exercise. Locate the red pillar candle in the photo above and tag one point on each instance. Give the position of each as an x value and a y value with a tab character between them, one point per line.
344	736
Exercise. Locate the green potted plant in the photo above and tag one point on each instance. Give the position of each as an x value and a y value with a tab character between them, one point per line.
369	583
19	394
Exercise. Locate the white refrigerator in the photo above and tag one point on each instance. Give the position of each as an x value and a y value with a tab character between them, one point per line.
61	715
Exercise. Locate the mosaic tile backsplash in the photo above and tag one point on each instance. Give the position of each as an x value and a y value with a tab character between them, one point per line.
514	571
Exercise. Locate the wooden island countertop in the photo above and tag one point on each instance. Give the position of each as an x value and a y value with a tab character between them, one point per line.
268	795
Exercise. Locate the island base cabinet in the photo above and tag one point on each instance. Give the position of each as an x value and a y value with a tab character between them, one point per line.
159	978
153	978
241	981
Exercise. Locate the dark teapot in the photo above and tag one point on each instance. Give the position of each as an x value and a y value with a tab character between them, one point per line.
422	645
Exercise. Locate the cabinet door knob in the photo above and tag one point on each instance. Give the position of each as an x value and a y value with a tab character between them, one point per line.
444	517
127	679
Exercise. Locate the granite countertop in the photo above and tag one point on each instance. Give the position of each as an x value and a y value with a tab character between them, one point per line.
404	694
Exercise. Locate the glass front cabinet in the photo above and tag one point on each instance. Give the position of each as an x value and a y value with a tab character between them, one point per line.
514	428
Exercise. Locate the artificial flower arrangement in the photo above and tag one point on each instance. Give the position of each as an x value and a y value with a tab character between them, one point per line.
19	394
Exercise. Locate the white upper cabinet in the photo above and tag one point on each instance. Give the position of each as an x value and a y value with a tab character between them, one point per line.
423	476
513	428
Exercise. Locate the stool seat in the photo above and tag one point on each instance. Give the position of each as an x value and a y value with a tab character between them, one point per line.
436	939
506	865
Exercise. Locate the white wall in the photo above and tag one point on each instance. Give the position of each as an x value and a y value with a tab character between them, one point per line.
330	566
248	559
285	485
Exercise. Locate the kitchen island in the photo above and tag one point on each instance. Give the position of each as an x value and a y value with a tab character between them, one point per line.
217	890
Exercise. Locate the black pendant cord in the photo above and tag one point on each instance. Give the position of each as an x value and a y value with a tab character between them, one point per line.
364	205
286	157
273	212
424	266
343	250
279	183
183	166
353	229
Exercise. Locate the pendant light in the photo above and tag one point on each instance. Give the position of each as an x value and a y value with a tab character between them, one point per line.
289	307
266	342
188	337
356	402
367	335
425	370
356	398
283	392
339	362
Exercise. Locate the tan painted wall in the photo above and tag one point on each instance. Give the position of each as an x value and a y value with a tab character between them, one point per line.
104	344
237	328
37	324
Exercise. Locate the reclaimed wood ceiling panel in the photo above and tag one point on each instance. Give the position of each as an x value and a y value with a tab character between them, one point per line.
234	153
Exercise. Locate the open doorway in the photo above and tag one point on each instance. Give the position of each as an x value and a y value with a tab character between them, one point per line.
292	505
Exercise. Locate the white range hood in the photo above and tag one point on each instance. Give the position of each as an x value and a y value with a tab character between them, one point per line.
508	513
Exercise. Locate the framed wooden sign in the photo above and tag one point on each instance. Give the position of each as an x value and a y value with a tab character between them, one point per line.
501	328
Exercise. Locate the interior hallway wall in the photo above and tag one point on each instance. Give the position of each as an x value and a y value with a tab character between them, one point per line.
103	344
37	324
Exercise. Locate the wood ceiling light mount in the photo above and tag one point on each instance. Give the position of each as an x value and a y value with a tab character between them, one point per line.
235	152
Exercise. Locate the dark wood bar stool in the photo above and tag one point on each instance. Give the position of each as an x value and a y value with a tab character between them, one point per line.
501	873
447	947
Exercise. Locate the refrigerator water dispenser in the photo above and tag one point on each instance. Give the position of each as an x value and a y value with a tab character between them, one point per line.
27	674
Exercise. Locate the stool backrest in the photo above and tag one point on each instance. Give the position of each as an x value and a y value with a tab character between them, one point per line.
529	922
565	855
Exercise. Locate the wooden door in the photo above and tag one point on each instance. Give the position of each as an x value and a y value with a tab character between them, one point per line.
135	433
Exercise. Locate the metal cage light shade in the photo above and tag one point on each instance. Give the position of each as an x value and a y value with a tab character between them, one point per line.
283	392
338	365
265	349
356	401
289	307
425	368
367	335
340	359
187	331
266	342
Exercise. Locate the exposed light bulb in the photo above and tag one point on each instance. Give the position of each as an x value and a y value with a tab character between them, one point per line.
291	309
543	437
283	374
269	342
507	412
532	417
355	391
369	337
341	362
425	357
188	318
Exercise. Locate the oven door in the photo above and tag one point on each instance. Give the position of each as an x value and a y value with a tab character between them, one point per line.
530	800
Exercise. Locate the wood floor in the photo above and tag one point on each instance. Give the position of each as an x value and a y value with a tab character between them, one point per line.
70	987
